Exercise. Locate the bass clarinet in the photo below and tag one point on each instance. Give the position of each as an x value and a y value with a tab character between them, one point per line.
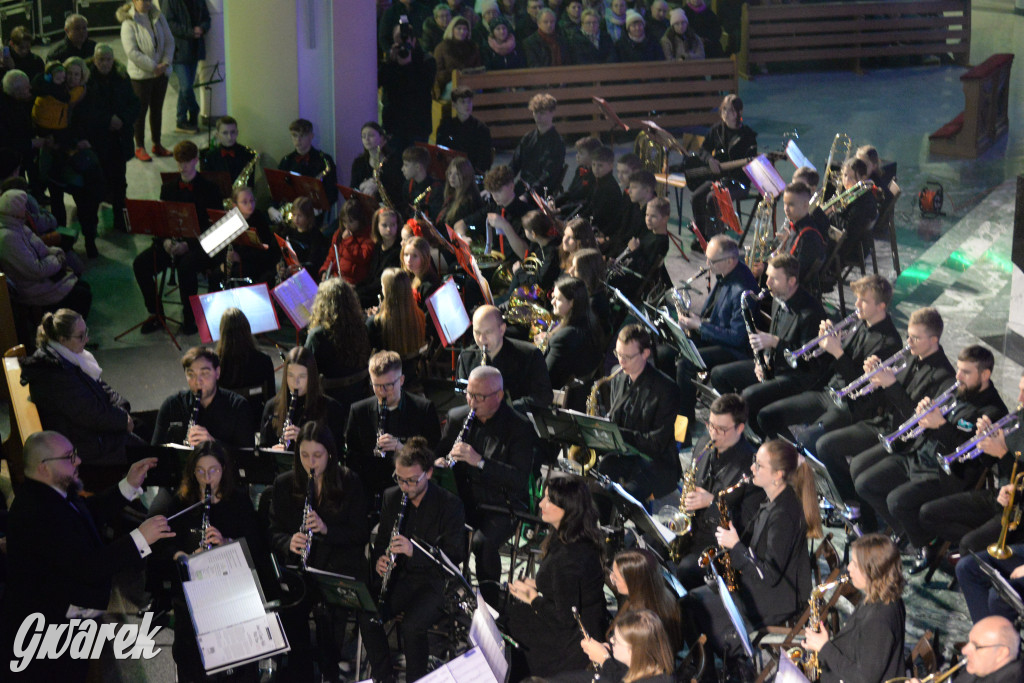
196	402
306	509
463	433
396	530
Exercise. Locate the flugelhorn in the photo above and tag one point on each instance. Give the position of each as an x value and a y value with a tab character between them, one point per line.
1011	513
862	386
911	429
936	677
812	349
972	449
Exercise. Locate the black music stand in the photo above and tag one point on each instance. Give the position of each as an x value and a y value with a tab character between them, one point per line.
1007	592
261	465
160	220
612	117
213	78
170	463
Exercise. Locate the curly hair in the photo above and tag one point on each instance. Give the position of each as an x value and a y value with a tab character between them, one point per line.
336	310
402	323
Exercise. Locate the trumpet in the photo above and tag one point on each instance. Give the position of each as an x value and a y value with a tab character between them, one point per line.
289	419
306	509
812	349
862	386
396	530
748	319
1011	514
972	449
196	403
463	433
936	677
911	429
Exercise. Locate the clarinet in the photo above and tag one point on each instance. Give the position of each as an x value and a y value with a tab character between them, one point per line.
196	399
288	419
395	531
204	525
382	415
463	433
306	509
748	319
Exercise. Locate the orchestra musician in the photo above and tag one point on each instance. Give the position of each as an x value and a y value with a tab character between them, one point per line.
796	318
992	653
897	485
372	444
544	238
307	160
503	213
570	576
335	522
724	457
876	335
646	251
643	403
869	646
927	373
983	600
606	204
521	363
573	346
858	217
301	380
718	331
771	561
416	174
416	586
640	650
492	456
642	189
220	414
227	155
805	236
972	520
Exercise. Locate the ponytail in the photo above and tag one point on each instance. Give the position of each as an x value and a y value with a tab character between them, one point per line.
802	481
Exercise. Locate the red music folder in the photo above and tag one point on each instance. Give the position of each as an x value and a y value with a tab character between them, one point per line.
167	220
287	187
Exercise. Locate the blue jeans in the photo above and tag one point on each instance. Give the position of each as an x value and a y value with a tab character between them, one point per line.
983	600
188	107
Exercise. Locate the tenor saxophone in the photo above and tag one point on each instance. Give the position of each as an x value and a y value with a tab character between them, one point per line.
717	557
396	530
586	458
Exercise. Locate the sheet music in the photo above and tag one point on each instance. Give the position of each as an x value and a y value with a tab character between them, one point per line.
789	672
219	561
797	157
484	633
222	602
251	640
449	312
296	296
470	667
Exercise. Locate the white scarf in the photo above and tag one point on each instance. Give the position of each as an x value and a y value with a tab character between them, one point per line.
84	360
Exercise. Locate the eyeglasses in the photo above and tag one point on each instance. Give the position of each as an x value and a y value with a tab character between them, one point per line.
384	386
408	482
626	357
211	472
715	429
759	466
479	398
71	456
983	647
84	334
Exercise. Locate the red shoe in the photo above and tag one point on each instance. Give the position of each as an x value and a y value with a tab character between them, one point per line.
140	154
160	151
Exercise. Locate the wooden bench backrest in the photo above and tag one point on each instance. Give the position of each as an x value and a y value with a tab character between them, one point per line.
854	30
674	94
24	416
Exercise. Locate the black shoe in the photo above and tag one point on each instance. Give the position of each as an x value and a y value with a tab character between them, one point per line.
925	557
90	249
152	325
188	328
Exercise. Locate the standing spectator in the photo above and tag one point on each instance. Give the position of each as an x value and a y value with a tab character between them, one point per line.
546	47
526	21
705	22
466	133
635	45
456	51
148	42
21	52
615	19
681	41
189	21
406	78
433	28
459	9
500	50
16	122
414	11
76	42
112	107
592	45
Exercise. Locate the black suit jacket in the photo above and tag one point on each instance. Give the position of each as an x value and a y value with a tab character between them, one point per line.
645	411
506	442
522	369
440	520
882	340
414	416
960	425
716	472
573	351
228	418
606	204
928	377
1009	673
231	160
795	322
315	164
869	647
773	563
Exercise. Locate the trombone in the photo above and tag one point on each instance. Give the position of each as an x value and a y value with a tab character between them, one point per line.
972	449
811	348
931	678
862	386
911	429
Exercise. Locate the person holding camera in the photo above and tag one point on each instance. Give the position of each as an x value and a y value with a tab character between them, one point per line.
406	76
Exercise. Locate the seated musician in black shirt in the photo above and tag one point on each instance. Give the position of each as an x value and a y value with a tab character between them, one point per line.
544	237
721	459
415	586
606	204
521	363
896	485
643	403
646	252
227	155
379	426
642	188
491	450
858	217
796	318
466	133
805	236
539	158
501	216
216	413
876	335
309	161
186	255
869	155
418	183
582	181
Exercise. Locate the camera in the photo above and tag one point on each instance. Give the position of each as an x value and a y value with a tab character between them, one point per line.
405	36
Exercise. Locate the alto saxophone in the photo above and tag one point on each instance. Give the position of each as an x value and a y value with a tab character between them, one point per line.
382	415
807	660
196	402
586	458
204	525
717	556
384	198
306	509
396	530
463	433
289	419
679	519
244	176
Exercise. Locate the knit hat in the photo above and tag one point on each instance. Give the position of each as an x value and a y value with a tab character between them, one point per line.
676	15
632	15
13	203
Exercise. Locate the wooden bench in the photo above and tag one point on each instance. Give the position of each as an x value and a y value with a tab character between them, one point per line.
853	31
24	416
674	94
985	117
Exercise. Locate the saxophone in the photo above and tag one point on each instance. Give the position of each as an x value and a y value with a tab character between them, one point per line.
807	660
306	509
196	402
396	530
679	519
204	525
463	433
244	177
384	198
586	458
716	556
289	419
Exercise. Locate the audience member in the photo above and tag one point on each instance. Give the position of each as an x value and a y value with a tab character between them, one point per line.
24	59
546	46
500	49
592	44
706	24
680	41
406	78
189	21
434	26
635	45
76	41
455	52
149	45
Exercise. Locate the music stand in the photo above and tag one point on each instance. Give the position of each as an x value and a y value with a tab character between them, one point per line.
261	465
213	79
634	310
672	331
1006	591
160	220
734	613
440	158
221	179
368	203
444	563
826	489
343	591
170	462
612	117
570	427
287	187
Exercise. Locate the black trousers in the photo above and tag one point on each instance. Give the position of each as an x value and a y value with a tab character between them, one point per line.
982	599
969	519
689	573
492	530
420	601
713	356
738	377
806	408
836	449
151	92
155	259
